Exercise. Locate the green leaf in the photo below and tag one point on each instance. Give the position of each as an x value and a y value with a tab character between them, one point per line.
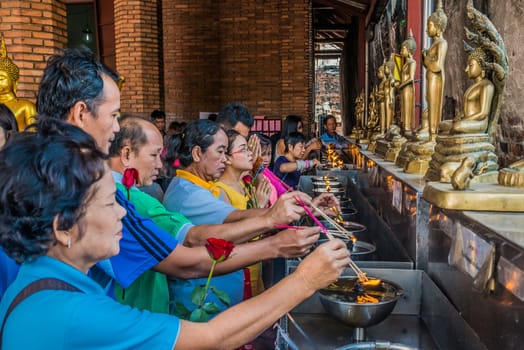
181	311
211	308
199	315
222	296
198	295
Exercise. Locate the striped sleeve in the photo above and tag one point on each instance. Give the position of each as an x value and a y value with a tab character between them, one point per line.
142	247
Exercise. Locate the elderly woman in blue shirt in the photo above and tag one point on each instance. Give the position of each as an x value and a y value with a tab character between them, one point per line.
59	217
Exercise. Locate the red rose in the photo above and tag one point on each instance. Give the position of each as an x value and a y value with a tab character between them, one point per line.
130	178
219	249
248	180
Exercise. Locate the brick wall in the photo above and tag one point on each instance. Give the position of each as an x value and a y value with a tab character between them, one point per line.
33	30
137	46
254	52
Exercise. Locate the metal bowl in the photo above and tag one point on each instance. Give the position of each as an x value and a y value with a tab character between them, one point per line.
346	203
349	214
360	315
324	178
337	192
350	226
359	249
321	184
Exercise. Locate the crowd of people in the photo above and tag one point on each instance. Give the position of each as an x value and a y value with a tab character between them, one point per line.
90	260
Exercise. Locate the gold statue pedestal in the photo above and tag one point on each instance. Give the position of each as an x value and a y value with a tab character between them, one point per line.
415	156
450	150
510	177
389	150
388	147
479	197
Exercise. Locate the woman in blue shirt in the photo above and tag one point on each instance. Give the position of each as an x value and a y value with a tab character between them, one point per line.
59	217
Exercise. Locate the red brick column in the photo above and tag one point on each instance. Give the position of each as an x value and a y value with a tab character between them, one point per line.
137	45
33	30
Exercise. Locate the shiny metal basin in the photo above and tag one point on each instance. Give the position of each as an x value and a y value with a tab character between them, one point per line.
361	315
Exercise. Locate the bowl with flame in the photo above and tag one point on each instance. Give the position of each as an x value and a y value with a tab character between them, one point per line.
358	303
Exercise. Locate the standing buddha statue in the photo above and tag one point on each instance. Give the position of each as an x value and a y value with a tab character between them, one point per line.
24	110
416	154
406	85
434	60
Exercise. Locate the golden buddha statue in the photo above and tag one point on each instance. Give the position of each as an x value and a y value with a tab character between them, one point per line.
406	85
24	110
477	99
469	134
464	147
373	122
389	93
416	154
389	145
380	98
360	110
434	60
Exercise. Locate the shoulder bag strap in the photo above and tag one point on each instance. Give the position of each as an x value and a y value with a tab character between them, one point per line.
30	289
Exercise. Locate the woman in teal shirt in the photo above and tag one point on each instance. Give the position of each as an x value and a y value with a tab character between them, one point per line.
59	217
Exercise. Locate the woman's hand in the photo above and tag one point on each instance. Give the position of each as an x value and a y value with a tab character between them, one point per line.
263	191
328	201
287	208
324	265
254	145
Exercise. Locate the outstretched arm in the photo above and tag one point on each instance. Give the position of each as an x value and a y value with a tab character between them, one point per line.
243	322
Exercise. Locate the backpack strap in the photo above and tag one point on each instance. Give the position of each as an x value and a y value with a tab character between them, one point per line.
32	288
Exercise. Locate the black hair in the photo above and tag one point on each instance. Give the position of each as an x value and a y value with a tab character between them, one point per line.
329	116
7	121
290	125
293	138
233	113
45	174
174	125
131	134
71	76
264	139
158	114
231	137
197	133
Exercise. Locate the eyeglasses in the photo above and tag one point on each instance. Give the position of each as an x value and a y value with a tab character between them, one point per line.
243	149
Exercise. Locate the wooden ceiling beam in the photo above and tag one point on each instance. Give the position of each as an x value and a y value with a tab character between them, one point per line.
342	7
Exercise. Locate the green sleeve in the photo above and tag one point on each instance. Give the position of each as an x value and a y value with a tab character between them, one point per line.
150	207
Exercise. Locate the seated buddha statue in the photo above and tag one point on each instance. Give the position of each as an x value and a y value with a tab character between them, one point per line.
24	110
477	100
471	132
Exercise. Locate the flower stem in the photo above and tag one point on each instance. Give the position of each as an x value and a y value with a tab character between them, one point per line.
209	279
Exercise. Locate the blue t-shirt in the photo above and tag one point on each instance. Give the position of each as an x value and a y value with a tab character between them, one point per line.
339	140
143	246
8	271
292	178
201	207
58	319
